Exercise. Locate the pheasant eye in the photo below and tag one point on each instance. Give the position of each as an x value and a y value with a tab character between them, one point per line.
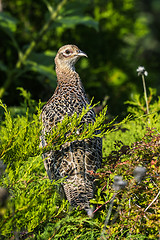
67	52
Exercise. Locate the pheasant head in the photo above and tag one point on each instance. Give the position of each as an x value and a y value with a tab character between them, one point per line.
66	58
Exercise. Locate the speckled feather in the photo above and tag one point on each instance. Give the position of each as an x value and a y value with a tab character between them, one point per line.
74	160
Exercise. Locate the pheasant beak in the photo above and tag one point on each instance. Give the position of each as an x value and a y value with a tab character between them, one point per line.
81	54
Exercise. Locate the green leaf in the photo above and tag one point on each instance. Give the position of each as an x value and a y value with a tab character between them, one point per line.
45	58
3	67
8	22
72	21
9	25
42	69
75	8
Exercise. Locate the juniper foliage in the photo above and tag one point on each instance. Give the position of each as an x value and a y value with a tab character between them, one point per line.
34	208
33	198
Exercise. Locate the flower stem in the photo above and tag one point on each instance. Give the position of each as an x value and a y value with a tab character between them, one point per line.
145	93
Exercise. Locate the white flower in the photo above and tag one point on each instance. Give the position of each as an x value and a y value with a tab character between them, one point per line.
139	173
90	212
141	71
78	132
119	183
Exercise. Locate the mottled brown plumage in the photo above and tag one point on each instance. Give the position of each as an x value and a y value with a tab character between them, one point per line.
74	160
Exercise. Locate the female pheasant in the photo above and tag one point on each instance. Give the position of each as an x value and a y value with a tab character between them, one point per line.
77	159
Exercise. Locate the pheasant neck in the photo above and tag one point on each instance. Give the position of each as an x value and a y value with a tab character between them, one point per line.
68	76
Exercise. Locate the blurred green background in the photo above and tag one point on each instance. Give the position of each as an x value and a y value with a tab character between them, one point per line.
117	35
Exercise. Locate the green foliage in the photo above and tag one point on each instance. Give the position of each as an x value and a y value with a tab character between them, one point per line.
135	128
36	211
28	59
122	31
33	198
135	209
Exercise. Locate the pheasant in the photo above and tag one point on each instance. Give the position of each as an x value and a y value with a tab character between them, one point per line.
75	160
